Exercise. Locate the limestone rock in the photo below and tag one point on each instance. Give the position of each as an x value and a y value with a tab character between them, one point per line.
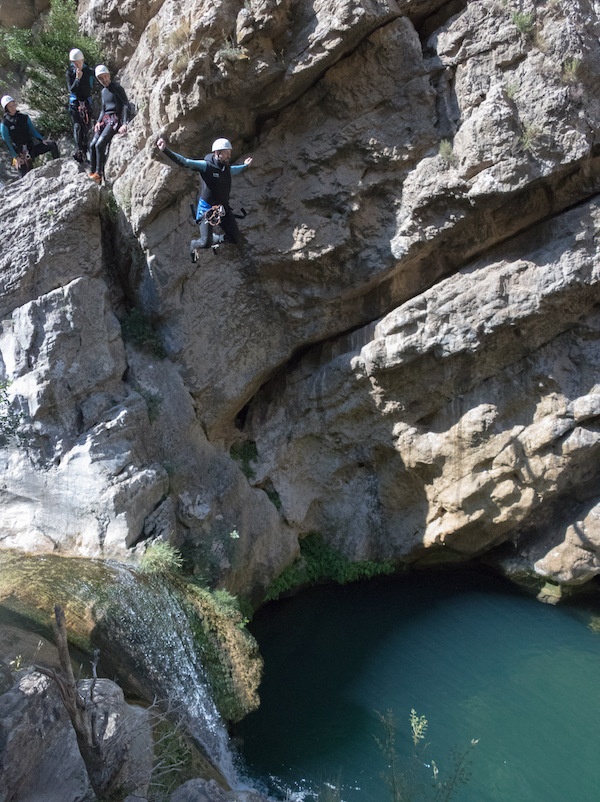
39	757
298	278
369	240
21	13
6	677
451	424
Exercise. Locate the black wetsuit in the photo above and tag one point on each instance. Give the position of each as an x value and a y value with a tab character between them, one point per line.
216	186
23	139
113	114
80	104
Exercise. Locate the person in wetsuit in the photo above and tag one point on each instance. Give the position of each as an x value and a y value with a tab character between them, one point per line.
213	205
23	140
79	83
111	120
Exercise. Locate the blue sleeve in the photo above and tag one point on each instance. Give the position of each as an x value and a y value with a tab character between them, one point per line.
237	168
8	140
32	130
197	165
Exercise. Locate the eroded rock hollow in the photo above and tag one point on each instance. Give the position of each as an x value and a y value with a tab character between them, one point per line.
401	354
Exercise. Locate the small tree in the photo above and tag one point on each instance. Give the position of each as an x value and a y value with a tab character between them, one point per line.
409	783
104	757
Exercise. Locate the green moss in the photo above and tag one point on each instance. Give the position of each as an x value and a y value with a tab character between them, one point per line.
137	330
105	606
274	498
318	563
230	653
245	453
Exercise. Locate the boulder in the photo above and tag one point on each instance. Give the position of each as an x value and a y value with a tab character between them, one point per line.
457	421
21	13
39	757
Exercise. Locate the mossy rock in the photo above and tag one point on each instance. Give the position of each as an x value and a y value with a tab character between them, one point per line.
140	624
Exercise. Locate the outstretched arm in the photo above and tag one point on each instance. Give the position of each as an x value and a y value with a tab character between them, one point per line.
197	165
237	168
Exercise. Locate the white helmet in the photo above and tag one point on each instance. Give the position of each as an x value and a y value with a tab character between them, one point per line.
76	55
221	144
101	69
6	100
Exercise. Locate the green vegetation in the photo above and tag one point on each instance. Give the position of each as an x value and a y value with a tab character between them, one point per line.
229	654
153	404
594	624
446	151
137	330
179	38
273	497
524	21
418	726
9	417
529	137
570	69
111	205
179	42
108	599
318	563
161	559
245	453
412	782
231	52
17	663
44	54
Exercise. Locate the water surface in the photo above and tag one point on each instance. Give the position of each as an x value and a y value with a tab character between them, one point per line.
477	657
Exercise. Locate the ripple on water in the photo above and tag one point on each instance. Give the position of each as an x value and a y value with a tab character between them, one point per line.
478	658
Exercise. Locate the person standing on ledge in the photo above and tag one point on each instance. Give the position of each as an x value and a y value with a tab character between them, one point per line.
111	120
22	139
79	83
213	206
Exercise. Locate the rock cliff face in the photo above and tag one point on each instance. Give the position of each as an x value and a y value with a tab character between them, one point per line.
37	741
405	343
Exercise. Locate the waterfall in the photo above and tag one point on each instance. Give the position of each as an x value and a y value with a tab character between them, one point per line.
159	640
151	642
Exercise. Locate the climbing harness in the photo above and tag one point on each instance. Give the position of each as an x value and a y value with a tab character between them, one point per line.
111	119
213	217
84	112
214	214
25	154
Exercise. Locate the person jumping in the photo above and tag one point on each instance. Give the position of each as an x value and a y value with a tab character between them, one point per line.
213	206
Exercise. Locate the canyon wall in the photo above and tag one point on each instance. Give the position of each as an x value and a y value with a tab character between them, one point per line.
399	354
